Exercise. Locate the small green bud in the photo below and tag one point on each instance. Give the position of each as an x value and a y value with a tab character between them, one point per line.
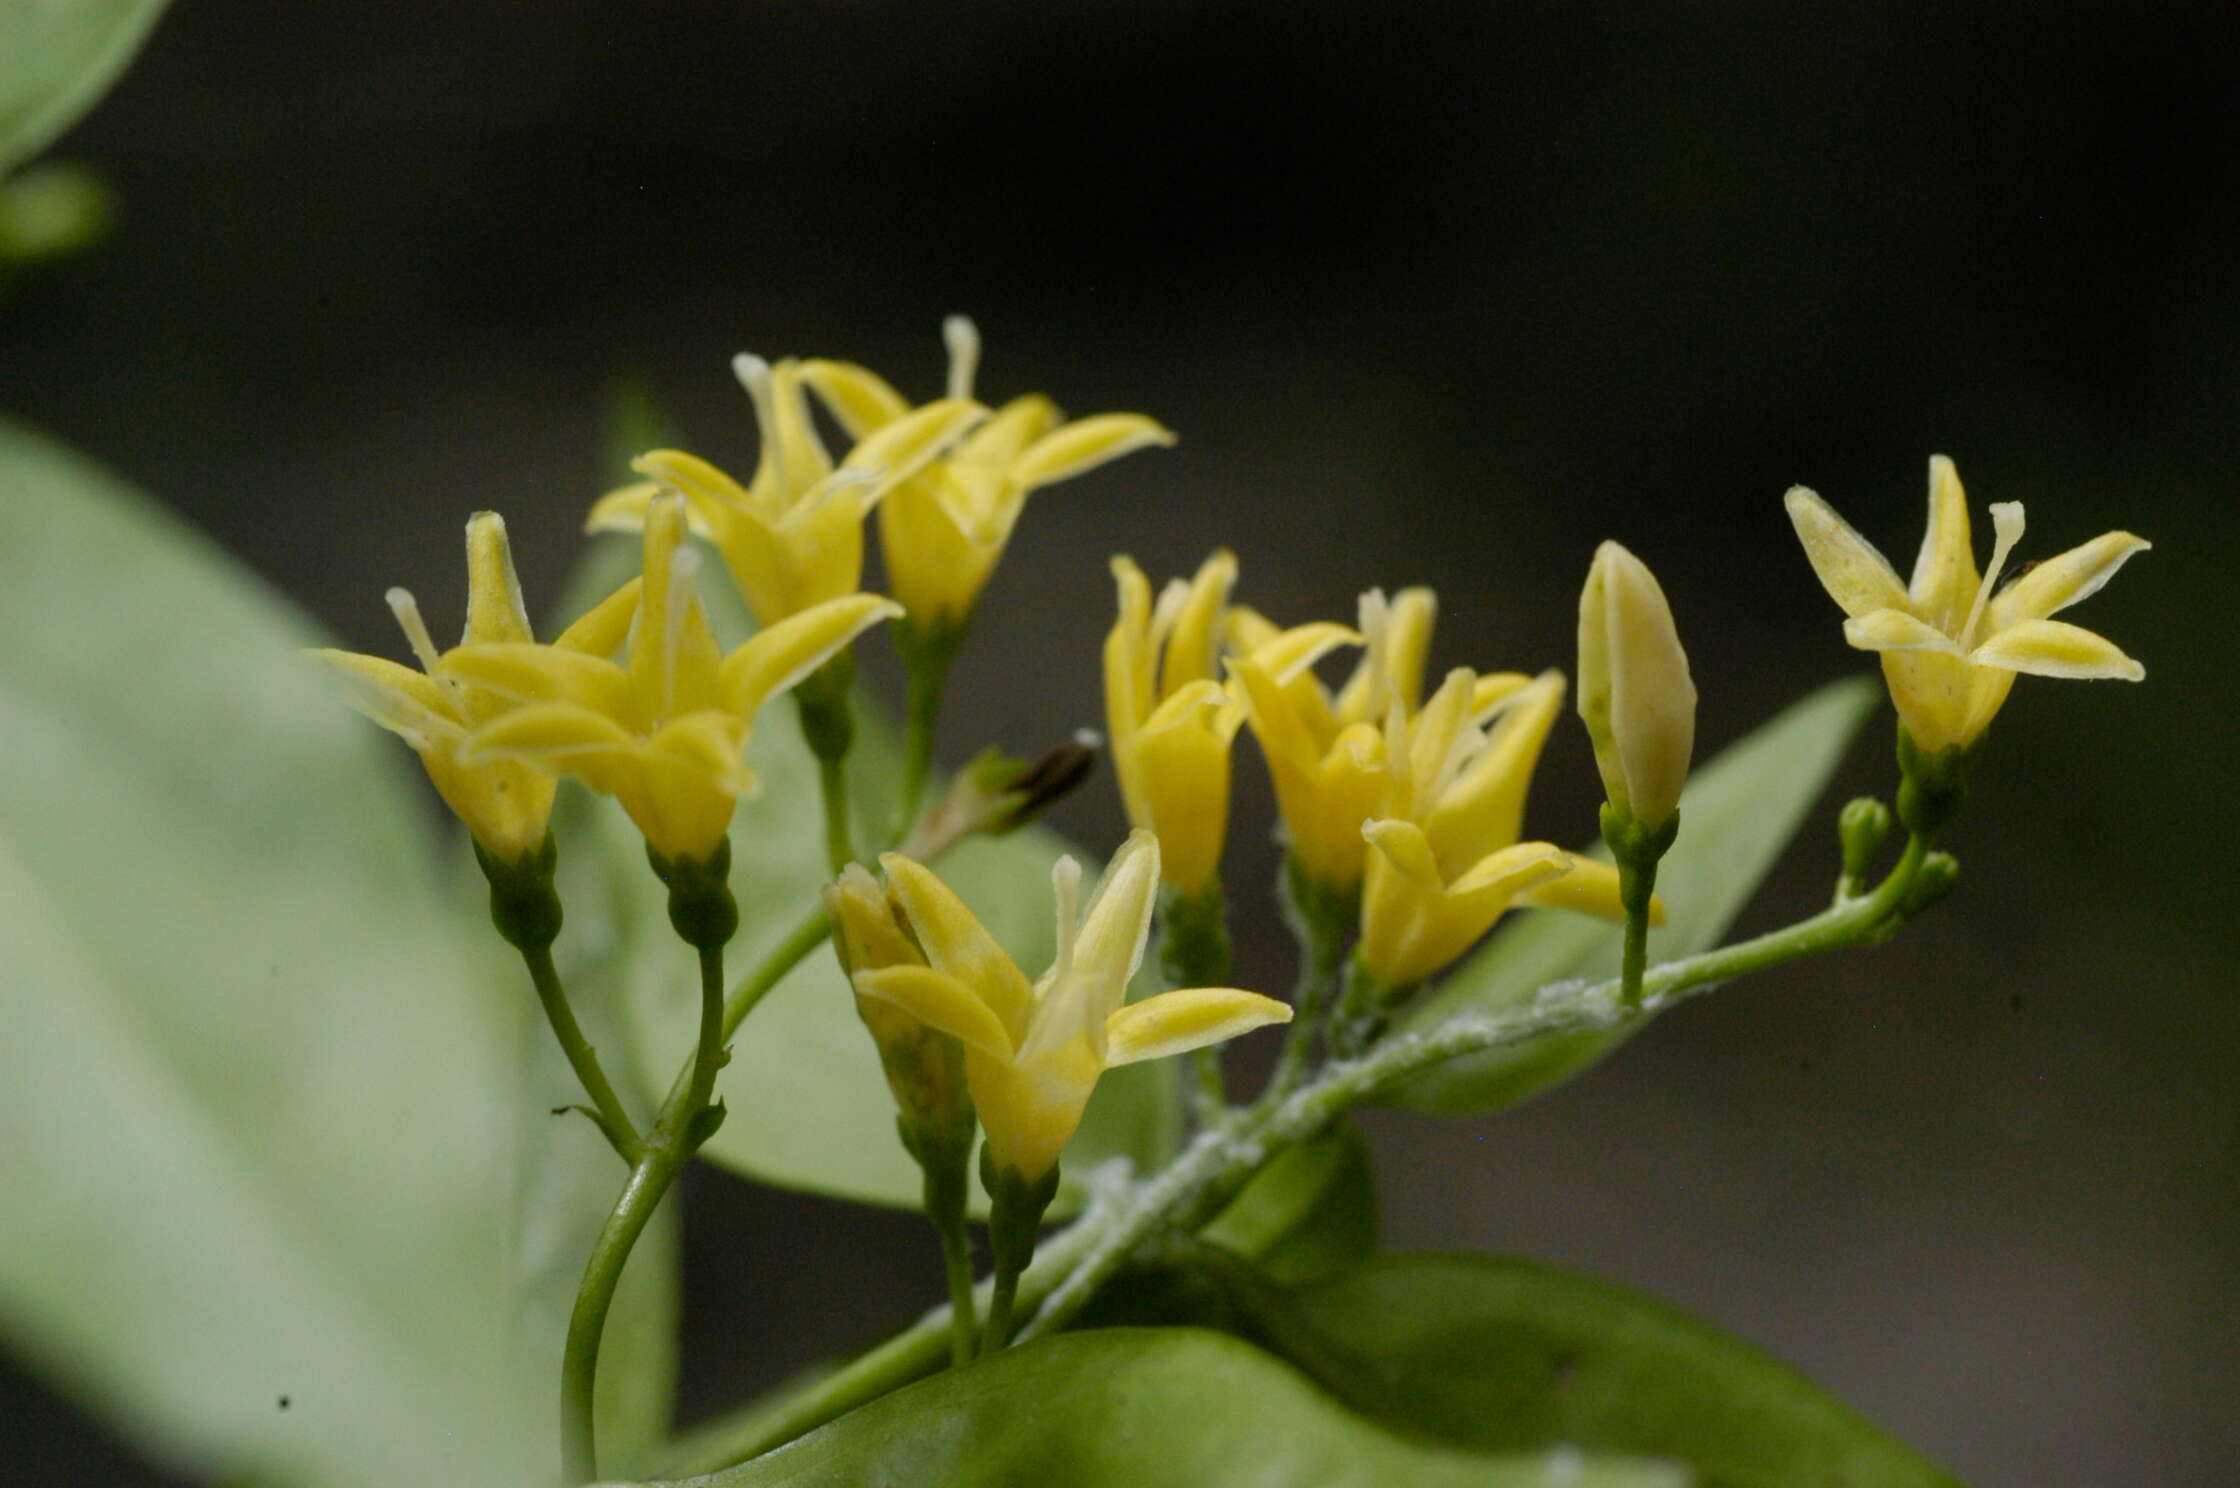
1936	877
1863	827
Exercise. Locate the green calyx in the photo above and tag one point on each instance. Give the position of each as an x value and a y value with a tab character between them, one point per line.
1935	784
1194	938
1633	844
523	903
700	903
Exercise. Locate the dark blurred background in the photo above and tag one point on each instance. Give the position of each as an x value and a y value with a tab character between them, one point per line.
1433	293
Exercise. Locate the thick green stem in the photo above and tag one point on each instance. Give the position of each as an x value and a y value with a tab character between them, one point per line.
700	907
613	1118
828	724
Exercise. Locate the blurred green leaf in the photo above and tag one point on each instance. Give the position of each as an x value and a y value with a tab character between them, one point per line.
1126	1407
809	1108
1502	1355
1310	1215
61	56
255	1095
1737	816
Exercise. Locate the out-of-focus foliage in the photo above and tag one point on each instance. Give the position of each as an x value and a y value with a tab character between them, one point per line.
61	56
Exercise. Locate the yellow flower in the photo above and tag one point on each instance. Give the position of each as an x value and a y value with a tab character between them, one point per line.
506	803
792	538
1953	642
1171	723
944	529
1325	751
1447	862
924	1067
1635	695
665	734
1033	1053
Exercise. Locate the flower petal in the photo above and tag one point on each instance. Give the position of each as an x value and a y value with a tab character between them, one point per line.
1896	630
1018	424
1283	655
1404	845
406	702
1190	1018
1591	887
2054	648
941	1002
1083	445
1514	869
1856	576
624	510
2060	582
903	447
494	608
1091	978
773	659
601	630
858	397
542	674
958	944
1944	575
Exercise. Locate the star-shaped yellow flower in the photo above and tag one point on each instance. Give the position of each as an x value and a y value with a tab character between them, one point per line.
1325	750
1033	1053
944	529
1447	862
506	803
1952	643
666	733
793	537
1170	723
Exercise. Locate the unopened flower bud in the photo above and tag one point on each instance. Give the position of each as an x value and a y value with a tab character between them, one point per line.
1863	827
1635	694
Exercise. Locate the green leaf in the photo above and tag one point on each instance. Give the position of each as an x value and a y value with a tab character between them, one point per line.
1121	1407
809	1108
1498	1354
1737	815
62	56
254	1089
1310	1215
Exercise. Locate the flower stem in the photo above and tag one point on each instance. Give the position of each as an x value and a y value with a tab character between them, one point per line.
928	680
832	780
701	908
1321	923
613	1117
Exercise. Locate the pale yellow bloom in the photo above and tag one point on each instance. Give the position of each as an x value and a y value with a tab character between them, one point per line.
1326	751
793	537
506	803
1447	862
1170	723
666	733
1635	694
1033	1053
944	529
1952	643
924	1067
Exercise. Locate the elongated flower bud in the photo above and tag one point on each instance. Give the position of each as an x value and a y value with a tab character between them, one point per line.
1635	695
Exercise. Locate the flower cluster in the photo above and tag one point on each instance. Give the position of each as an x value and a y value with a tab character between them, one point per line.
1402	792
